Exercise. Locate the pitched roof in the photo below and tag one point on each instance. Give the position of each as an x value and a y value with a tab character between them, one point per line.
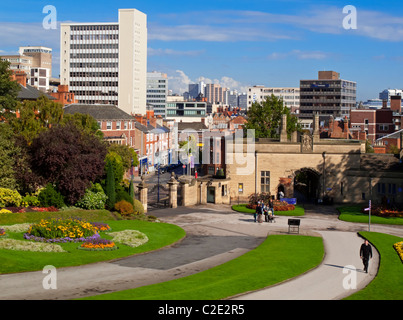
198	126
99	111
31	93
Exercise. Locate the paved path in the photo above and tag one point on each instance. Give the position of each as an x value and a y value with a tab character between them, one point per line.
215	235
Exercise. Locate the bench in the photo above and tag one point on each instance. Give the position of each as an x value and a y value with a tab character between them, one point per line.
293	225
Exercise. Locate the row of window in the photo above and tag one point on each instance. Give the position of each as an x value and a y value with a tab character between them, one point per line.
95	93
94	55
94	27
94	46
94	65
75	37
90	74
94	84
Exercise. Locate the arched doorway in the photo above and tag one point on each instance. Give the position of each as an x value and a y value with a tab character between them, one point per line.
307	185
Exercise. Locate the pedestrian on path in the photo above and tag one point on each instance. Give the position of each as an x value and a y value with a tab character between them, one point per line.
365	254
257	211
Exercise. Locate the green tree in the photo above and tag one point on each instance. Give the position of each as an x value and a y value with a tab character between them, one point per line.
8	92
36	117
110	186
9	153
85	122
128	155
265	118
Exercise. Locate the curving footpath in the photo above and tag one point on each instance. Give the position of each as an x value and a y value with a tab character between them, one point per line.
215	235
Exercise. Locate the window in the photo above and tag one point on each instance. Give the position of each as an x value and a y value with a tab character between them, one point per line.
118	124
126	126
109	125
240	188
265	181
224	190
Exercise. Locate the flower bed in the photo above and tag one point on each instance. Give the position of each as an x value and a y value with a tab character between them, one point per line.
60	240
61	230
97	245
399	249
132	238
28	209
101	227
19	245
382	211
2	233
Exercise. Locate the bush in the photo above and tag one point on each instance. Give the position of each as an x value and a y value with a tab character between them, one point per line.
123	195
9	198
93	200
124	208
30	201
138	207
49	197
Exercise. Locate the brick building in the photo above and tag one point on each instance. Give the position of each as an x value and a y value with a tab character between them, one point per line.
116	125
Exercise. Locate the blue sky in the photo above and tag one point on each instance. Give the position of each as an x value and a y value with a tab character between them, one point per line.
239	43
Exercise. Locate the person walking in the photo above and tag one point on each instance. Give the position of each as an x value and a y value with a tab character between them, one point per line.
257	211
266	213
365	254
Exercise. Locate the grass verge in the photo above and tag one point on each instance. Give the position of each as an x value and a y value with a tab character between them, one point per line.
159	235
278	258
388	284
353	214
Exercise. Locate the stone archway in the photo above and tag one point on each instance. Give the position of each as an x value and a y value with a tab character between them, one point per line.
307	185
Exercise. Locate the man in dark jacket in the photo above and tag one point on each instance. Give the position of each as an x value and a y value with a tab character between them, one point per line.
365	254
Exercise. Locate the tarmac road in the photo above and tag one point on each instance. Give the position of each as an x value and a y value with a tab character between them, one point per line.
215	235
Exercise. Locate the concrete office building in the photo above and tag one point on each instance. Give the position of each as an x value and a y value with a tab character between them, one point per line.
326	96
387	93
36	62
106	63
157	92
289	95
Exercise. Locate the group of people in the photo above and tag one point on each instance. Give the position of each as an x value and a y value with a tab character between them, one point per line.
265	210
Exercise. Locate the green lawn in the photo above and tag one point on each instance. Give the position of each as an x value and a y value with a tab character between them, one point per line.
299	210
353	214
280	257
388	284
159	234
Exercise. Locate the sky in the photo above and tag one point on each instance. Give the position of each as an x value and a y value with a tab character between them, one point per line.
239	43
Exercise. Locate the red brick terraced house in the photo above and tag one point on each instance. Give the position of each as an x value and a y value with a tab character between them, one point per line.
116	125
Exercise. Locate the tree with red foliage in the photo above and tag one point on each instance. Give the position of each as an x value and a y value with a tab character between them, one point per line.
69	158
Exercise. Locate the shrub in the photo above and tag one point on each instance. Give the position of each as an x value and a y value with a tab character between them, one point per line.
49	197
123	195
30	201
5	211
92	200
9	198
138	207
124	208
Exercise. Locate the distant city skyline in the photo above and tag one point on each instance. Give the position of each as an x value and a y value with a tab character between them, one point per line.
237	43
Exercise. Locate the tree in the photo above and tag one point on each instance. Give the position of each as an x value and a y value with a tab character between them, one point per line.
265	118
128	155
110	186
69	158
35	117
85	122
9	153
8	92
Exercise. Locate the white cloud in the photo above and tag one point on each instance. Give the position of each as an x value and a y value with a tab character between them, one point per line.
171	52
179	82
232	25
300	55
